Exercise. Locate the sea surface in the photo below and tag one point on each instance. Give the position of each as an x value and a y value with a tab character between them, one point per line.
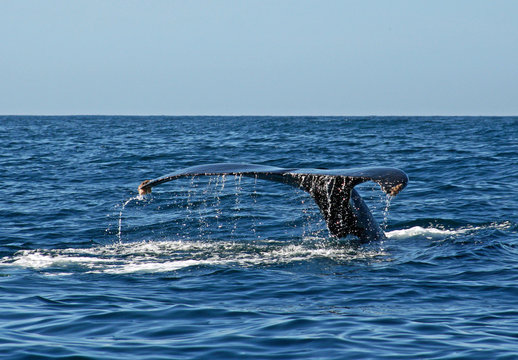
228	267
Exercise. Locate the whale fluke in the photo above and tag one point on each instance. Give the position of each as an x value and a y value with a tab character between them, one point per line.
342	207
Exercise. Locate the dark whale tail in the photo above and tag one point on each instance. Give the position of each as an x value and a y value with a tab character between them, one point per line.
342	207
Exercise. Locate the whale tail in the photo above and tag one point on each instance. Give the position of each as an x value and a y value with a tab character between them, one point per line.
342	207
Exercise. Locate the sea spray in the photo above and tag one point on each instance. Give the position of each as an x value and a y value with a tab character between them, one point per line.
237	204
211	210
203	209
218	187
388	199
254	199
119	233
189	205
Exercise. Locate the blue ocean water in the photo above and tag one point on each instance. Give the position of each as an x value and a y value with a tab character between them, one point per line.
231	268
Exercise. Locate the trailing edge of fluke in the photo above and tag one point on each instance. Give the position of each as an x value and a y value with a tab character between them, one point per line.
342	207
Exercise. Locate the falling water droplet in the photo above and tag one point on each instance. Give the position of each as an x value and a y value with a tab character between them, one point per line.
138	197
388	199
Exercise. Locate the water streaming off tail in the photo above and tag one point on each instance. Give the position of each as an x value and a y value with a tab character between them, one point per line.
220	207
119	233
235	207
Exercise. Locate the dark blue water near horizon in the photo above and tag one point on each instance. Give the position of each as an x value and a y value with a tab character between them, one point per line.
226	267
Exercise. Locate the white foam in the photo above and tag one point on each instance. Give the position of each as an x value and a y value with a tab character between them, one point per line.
433	232
165	256
174	255
420	231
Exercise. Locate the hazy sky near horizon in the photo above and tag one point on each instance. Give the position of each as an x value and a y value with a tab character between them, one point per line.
441	57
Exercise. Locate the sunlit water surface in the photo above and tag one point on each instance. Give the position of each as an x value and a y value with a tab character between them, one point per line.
226	267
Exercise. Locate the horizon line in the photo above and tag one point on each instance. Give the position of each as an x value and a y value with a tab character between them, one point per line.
255	115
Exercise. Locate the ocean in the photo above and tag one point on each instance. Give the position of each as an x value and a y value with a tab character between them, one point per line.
230	267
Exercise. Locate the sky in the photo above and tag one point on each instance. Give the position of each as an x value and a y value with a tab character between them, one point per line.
259	57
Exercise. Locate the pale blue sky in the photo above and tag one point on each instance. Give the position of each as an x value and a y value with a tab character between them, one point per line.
391	57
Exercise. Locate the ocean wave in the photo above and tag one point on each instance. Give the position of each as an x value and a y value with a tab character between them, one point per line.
433	232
